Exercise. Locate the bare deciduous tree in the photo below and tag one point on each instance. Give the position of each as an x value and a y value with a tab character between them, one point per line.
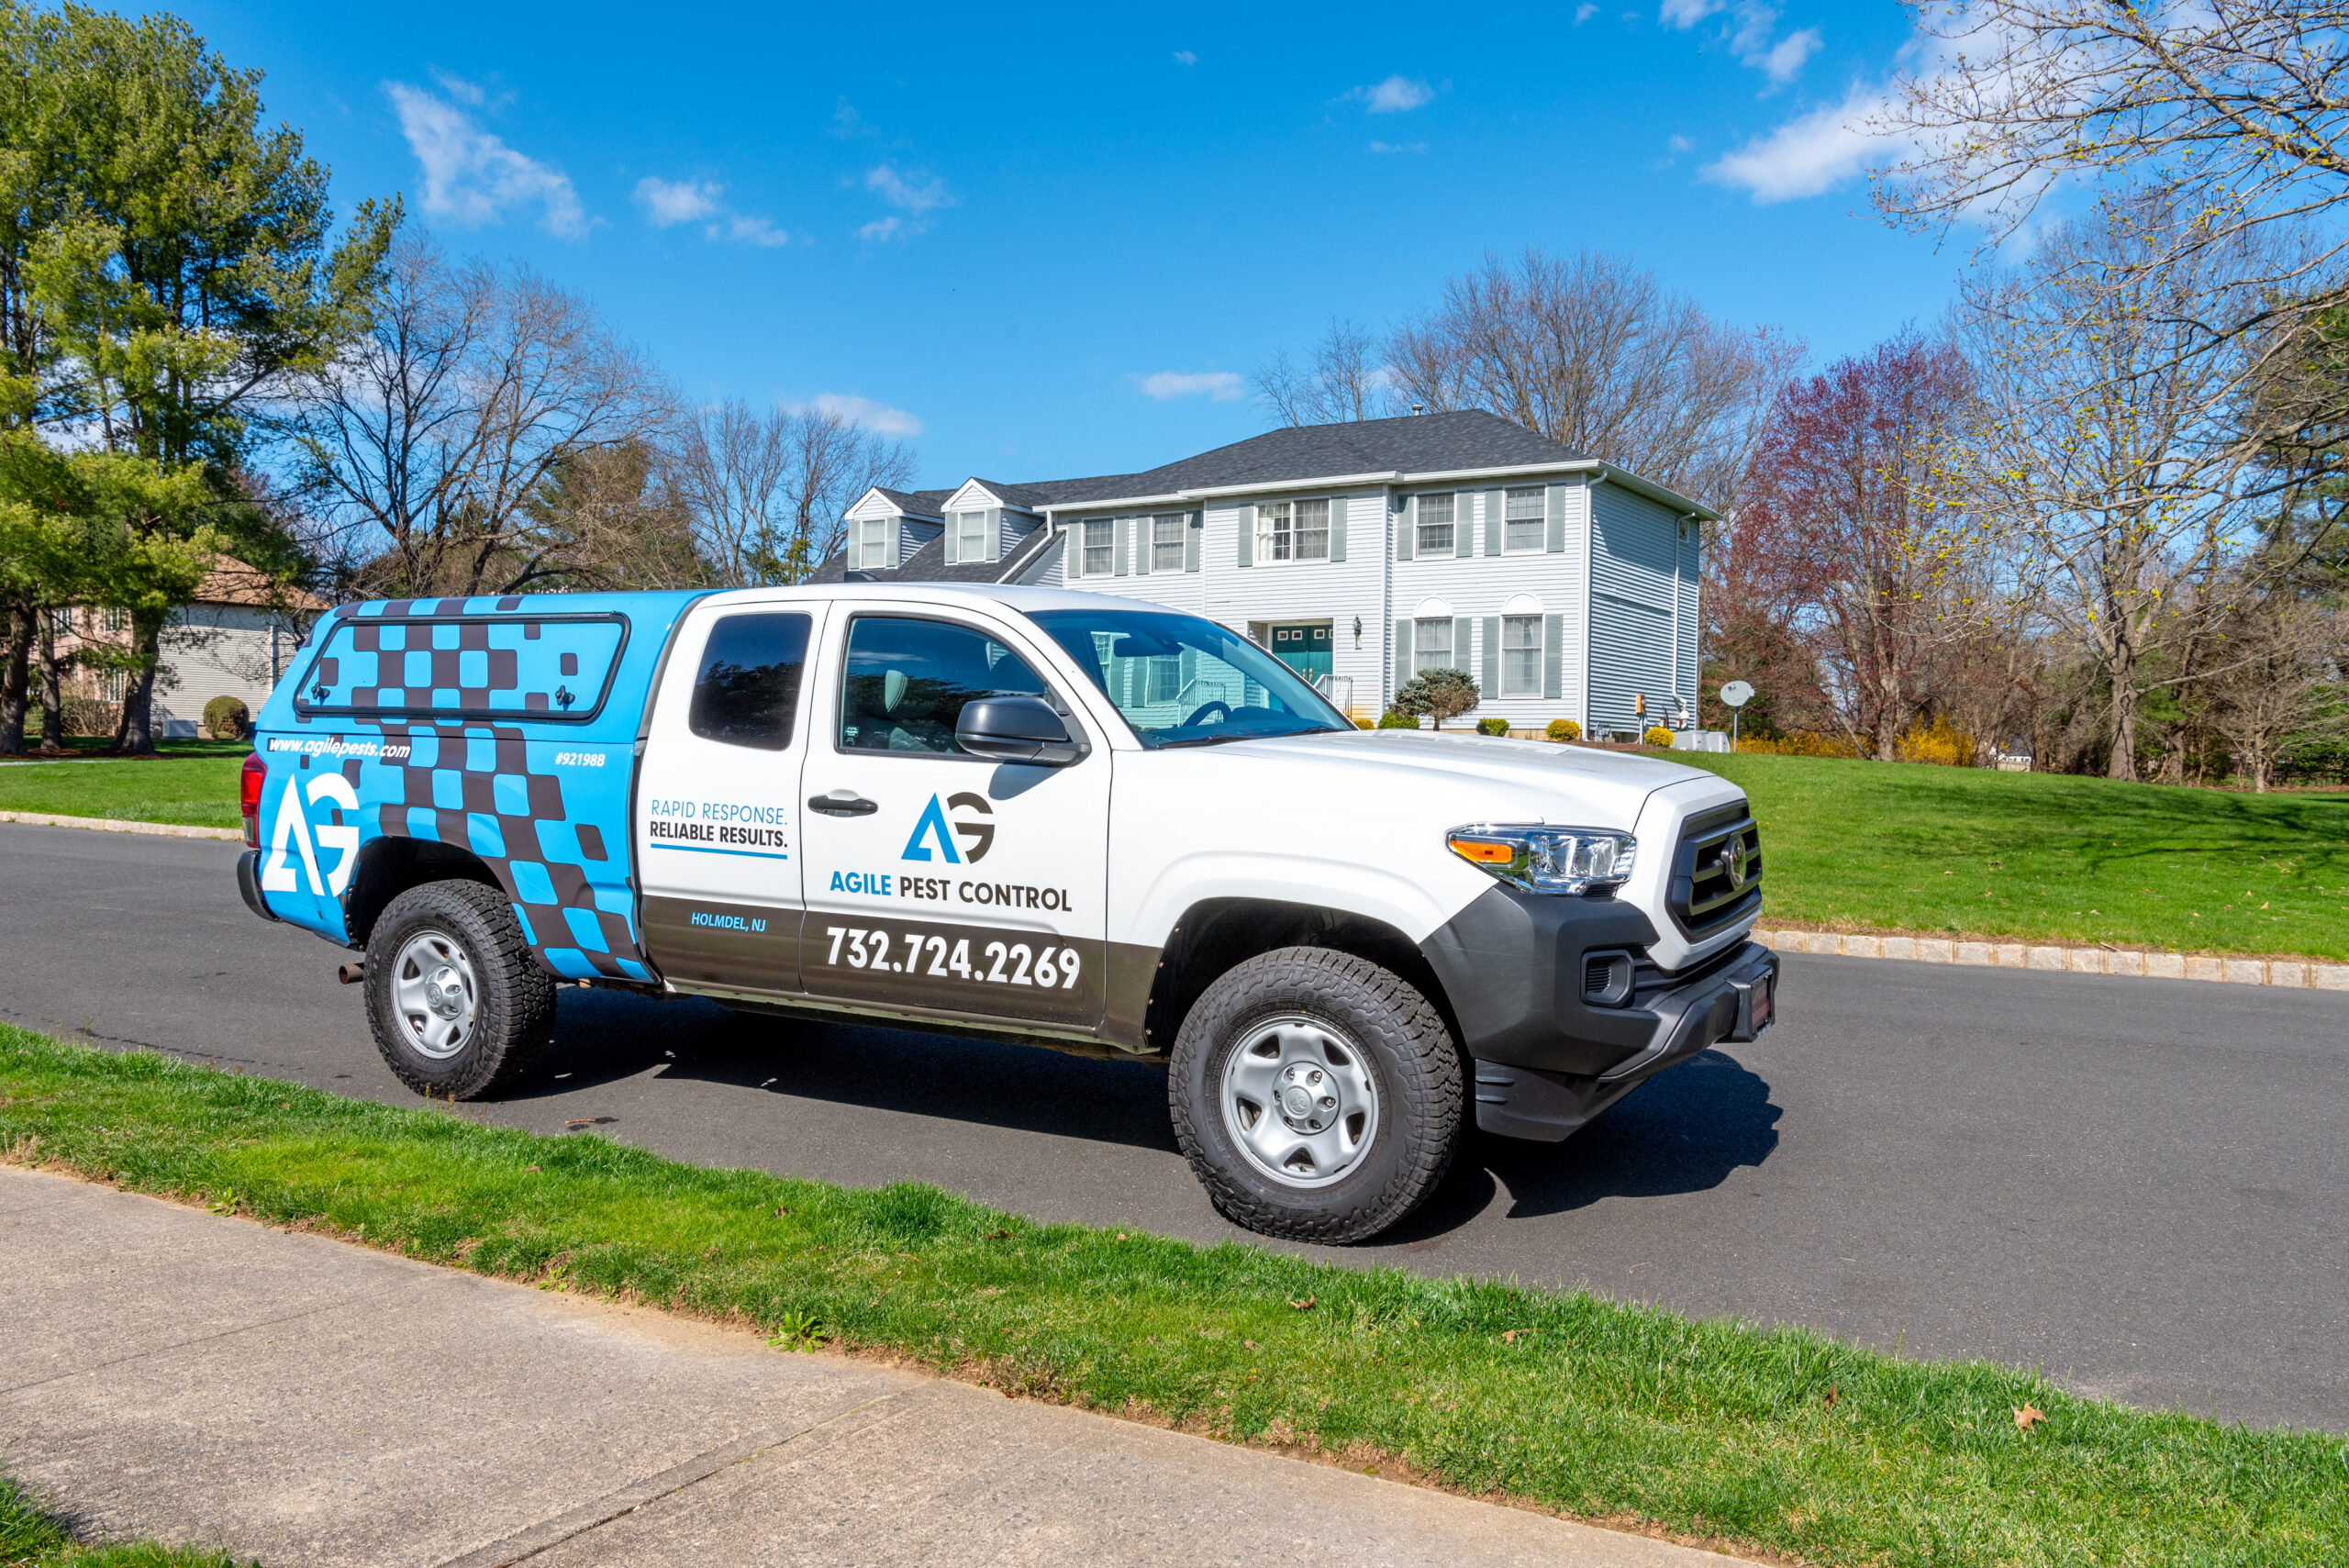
2276	650
1596	353
768	492
2108	447
1346	382
432	435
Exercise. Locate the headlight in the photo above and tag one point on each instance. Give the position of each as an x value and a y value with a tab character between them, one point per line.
1547	859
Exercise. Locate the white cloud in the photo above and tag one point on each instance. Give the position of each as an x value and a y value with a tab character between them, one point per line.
457	87
1184	56
666	202
1808	153
1586	11
1399	146
895	188
1680	144
1221	385
877	417
752	230
884	228
1755	21
846	121
1396	94
472	177
1784	62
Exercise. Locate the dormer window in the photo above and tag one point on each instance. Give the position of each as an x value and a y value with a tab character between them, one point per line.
971	535
873	552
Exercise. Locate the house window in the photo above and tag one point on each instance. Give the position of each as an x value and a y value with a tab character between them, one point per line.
1166	532
115	617
1293	530
60	621
1435	523
1520	656
1100	547
113	684
1431	646
971	535
873	552
1165	683
1527	517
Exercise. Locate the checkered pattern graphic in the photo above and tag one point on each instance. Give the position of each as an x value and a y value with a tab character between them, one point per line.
543	804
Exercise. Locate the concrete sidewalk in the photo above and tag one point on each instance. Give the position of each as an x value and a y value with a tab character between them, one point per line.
170	1373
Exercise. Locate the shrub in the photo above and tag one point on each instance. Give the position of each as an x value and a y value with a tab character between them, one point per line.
1657	735
1940	742
226	719
1492	726
1563	730
1390	720
1800	746
1439	694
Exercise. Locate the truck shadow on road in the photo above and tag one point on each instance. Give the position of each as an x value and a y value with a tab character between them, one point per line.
1686	1130
987	1083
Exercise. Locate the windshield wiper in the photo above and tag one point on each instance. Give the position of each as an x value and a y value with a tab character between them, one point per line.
1247	734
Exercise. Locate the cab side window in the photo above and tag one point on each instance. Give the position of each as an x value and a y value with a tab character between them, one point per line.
906	682
748	691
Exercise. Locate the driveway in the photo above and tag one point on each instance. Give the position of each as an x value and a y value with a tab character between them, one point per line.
2137	1184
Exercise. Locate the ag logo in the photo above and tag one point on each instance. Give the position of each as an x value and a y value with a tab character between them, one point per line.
292	835
931	826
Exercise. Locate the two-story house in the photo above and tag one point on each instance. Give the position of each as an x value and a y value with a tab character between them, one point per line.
1361	552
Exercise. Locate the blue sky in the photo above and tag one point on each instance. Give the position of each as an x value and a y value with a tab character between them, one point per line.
1044	243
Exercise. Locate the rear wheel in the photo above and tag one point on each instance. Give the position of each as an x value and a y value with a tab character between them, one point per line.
456	1005
1318	1096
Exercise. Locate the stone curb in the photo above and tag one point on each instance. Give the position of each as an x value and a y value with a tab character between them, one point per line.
2298	974
109	825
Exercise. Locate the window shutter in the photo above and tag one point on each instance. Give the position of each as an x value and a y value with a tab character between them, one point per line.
953	540
1338	528
1495	521
1145	544
1118	528
1247	515
1492	656
1553	639
1463	525
995	533
1557	535
1406	527
1193	527
1402	653
1463	648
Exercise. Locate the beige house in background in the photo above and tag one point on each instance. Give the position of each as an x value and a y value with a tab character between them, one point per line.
234	640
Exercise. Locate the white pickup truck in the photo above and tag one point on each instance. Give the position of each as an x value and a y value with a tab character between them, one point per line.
1070	820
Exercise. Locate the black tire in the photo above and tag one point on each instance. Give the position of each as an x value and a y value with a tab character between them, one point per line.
1408	1139
504	1035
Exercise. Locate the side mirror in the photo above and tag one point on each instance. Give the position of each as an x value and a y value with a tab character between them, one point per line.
1016	730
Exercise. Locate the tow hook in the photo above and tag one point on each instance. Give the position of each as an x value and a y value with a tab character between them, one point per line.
350	973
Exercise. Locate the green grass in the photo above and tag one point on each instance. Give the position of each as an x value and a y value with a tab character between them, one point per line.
1780	1438
2047	856
31	1537
198	790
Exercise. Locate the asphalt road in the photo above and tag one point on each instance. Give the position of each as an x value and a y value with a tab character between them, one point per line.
2138	1185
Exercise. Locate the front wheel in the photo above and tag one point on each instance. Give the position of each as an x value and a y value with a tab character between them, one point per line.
1318	1096
456	1005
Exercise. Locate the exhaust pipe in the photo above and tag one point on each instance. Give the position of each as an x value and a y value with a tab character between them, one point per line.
350	973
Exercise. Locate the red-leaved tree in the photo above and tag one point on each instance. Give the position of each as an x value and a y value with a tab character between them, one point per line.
1847	529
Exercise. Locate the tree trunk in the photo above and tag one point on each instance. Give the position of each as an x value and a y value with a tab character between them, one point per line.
2124	762
14	675
52	688
135	736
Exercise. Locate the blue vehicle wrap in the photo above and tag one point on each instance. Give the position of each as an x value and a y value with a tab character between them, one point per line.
504	728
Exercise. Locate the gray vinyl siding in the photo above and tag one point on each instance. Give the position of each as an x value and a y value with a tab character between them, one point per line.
1691	579
1633	597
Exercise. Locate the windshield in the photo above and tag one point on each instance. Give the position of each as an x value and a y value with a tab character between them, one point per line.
1182	681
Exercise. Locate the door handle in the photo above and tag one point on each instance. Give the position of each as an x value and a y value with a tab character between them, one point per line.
840	803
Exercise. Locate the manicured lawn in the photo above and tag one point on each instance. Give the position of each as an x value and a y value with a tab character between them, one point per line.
1774	1438
199	789
2041	855
31	1538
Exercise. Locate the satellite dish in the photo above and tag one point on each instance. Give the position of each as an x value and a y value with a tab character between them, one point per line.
1737	693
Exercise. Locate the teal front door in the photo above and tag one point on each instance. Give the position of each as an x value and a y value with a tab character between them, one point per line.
1306	649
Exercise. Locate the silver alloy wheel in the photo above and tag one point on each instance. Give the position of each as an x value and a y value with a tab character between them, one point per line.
434	992
1299	1100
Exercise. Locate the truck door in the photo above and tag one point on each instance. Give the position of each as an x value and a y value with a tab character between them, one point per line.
937	880
717	819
